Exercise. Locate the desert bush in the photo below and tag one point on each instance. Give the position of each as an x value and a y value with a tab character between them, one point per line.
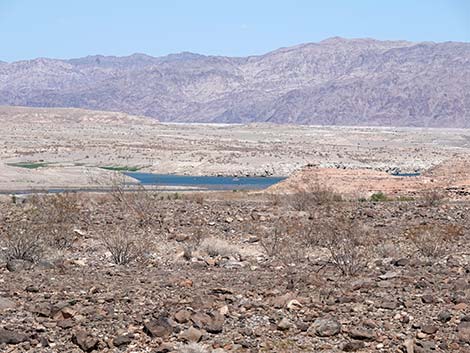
57	215
287	240
22	238
348	242
306	200
434	240
134	201
432	198
126	244
379	197
196	197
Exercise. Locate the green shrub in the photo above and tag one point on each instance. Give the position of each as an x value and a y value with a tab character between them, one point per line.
378	197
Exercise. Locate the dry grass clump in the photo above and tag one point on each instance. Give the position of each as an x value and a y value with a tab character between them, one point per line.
312	195
434	240
432	198
218	247
348	242
127	243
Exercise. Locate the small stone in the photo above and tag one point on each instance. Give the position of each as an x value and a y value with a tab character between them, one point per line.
18	265
389	275
389	305
158	328
122	340
427	299
361	334
284	324
32	289
294	305
325	327
216	323
401	262
182	316
65	324
86	342
353	346
409	345
429	329
460	306
192	334
421	335
224	310
444	316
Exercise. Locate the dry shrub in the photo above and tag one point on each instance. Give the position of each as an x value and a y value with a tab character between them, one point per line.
23	239
434	240
196	197
134	201
57	215
44	221
127	243
348	242
287	240
432	198
312	195
218	247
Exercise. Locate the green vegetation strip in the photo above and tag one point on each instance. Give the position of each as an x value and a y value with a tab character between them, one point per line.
28	165
121	168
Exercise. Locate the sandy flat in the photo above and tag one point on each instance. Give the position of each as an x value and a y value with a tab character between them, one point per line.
73	144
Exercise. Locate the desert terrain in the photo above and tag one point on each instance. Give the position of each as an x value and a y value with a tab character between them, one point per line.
47	148
339	257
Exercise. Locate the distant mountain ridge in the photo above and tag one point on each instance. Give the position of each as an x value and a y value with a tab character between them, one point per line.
334	82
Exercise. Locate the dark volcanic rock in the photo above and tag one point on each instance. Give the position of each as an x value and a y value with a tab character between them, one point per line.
158	328
86	342
11	337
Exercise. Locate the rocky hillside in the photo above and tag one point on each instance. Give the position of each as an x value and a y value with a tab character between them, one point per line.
336	82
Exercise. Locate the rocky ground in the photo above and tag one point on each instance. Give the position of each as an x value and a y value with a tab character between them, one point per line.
214	280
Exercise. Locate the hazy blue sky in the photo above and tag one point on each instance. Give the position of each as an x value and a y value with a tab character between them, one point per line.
74	28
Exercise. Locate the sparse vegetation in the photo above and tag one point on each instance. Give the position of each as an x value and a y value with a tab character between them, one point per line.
434	240
379	197
314	194
432	198
29	165
126	244
348	242
121	168
23	239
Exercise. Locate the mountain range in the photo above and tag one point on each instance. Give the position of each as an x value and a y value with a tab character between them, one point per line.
333	82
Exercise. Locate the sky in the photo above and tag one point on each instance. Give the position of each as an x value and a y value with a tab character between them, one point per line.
76	28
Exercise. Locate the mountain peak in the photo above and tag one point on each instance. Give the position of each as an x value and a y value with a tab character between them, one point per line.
337	81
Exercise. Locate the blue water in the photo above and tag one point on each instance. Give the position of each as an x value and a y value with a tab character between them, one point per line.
205	182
